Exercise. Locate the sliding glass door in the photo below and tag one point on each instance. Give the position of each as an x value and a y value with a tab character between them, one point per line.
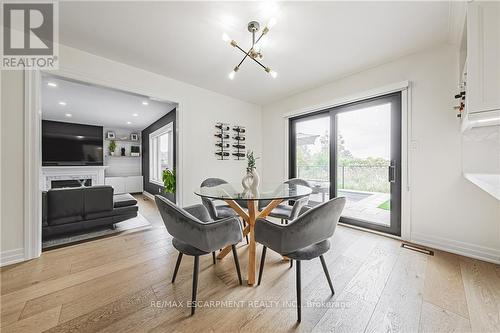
310	153
353	151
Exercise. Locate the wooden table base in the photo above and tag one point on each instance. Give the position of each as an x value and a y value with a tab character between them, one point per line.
250	217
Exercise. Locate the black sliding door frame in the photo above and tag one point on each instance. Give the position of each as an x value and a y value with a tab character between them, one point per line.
292	139
394	171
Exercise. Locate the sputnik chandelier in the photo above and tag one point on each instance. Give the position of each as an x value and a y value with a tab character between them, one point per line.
255	51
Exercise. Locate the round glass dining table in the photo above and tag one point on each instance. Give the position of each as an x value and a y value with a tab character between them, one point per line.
258	204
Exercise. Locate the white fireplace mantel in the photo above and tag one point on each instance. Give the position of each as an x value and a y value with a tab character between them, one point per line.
50	173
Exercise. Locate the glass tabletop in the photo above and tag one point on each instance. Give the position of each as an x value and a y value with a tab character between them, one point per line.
266	191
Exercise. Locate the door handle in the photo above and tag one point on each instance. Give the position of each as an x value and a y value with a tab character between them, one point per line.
391	170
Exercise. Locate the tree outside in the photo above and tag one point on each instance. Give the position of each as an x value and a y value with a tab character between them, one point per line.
367	174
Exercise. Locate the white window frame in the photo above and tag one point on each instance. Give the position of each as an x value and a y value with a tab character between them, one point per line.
153	151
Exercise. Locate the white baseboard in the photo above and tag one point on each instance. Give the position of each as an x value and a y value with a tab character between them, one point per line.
465	249
149	195
10	257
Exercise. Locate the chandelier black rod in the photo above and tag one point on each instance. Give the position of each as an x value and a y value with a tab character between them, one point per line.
261	35
246	54
265	68
253	44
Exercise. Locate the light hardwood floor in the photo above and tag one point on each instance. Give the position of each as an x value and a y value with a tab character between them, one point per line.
122	284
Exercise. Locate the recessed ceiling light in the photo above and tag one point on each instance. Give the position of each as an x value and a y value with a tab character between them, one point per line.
52	84
145	103
129	122
62	103
135	115
79	136
69	115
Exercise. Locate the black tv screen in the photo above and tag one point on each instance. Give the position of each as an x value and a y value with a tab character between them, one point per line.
69	144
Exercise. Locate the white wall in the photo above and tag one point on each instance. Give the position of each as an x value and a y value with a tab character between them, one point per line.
447	211
198	109
12	152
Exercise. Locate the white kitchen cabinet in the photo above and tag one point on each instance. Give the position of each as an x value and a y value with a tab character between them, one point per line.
483	56
133	184
117	183
128	184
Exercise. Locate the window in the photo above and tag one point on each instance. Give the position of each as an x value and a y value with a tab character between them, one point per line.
161	155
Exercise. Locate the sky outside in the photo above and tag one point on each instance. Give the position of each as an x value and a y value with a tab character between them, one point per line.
366	131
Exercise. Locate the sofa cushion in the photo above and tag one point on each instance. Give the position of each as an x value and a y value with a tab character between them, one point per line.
125	210
65	205
114	212
76	227
98	199
123	200
66	219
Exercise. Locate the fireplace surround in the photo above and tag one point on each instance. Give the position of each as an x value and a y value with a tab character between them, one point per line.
73	176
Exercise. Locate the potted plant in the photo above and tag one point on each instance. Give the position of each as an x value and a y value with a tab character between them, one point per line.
251	179
112	147
169	181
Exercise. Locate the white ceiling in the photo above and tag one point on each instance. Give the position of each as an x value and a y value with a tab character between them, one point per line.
94	105
311	44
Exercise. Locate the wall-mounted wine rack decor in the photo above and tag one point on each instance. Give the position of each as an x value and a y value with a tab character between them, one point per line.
222	141
239	143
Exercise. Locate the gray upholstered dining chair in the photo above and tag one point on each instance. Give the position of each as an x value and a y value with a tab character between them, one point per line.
304	238
218	212
286	212
195	234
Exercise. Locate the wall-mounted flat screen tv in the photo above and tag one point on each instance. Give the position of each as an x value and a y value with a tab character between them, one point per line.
67	144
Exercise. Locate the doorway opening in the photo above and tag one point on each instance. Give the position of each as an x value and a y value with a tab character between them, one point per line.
96	158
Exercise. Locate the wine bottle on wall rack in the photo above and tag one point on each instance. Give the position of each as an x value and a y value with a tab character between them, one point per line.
221	136
239	138
222	127
238	146
222	153
239	154
239	129
222	145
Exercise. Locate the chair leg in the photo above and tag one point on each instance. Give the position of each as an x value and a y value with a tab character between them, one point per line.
195	283
299	296
282	221
237	263
325	269
177	264
213	257
286	221
262	260
291	263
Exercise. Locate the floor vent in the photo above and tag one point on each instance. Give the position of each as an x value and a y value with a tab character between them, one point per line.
417	249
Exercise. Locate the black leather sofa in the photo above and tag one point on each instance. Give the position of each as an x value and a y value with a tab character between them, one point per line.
73	210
